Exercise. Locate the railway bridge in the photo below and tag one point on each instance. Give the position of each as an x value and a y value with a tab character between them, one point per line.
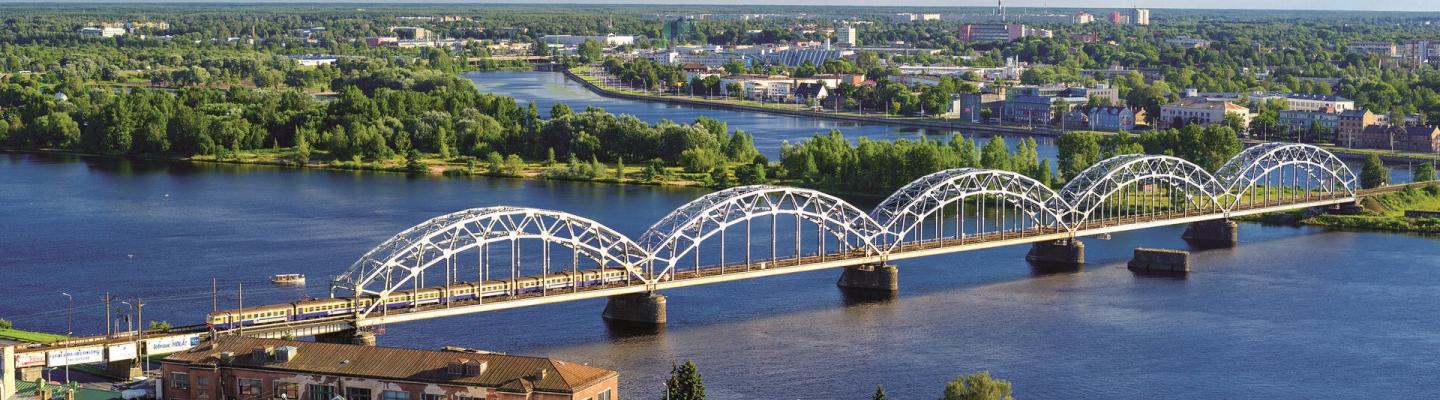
496	258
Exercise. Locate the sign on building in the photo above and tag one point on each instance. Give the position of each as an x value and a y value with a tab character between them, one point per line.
171	344
29	359
123	351
78	355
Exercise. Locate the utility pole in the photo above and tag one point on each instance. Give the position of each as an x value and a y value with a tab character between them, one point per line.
214	293
140	315
69	312
108	324
242	307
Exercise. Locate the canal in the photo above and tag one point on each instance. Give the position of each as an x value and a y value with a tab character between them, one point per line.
1289	313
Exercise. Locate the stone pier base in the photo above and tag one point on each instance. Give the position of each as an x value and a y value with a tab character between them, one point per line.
125	369
348	336
1347	209
641	308
870	277
1160	260
1059	252
1220	232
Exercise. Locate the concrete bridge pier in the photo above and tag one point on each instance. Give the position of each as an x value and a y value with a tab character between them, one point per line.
127	369
639	308
870	277
348	336
1064	252
1220	232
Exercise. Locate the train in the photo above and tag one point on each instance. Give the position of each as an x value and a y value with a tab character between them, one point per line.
321	308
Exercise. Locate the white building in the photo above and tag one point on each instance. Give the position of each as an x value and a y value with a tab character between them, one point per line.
573	40
1201	111
846	35
1140	16
102	32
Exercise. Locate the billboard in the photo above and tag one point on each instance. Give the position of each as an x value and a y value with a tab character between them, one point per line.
171	344
78	355
29	359
123	351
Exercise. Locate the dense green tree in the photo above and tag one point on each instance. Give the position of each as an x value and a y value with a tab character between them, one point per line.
879	393
685	383
978	386
1424	172
1374	174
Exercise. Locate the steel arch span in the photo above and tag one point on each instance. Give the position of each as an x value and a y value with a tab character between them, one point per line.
405	257
908	208
1090	194
682	231
1256	164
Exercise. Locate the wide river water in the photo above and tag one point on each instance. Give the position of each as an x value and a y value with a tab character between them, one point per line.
1289	313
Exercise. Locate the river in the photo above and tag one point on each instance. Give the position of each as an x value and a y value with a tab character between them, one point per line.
770	130
1289	313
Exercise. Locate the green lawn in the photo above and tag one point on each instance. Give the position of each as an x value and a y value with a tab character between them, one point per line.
28	336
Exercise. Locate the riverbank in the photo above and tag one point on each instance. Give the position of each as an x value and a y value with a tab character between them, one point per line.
784	109
1385	212
463	167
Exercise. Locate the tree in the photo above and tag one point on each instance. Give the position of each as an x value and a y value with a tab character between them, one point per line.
5	324
1424	172
413	164
161	326
1374	174
685	383
978	386
995	155
589	50
620	170
879	393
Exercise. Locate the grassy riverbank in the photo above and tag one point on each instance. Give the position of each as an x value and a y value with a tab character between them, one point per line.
1384	212
460	167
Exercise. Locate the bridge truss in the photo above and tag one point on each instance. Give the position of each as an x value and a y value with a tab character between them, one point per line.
758	227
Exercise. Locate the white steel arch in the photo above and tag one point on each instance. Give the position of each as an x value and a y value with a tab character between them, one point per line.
404	257
681	232
912	204
1089	192
1241	173
1087	198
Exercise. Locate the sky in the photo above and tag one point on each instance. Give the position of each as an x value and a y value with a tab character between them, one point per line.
1381	5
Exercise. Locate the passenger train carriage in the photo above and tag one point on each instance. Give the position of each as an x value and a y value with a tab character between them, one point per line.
320	308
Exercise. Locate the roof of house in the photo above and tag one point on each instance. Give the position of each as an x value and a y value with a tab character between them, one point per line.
809	89
1418	131
1196	103
504	372
1110	110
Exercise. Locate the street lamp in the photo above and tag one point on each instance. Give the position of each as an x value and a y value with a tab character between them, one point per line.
129	322
69	313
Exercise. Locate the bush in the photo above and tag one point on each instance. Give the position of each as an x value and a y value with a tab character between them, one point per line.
6	324
700	159
978	386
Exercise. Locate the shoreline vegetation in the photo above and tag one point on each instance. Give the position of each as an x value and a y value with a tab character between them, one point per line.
1384	212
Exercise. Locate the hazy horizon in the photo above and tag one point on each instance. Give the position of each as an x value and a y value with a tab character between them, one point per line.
1308	5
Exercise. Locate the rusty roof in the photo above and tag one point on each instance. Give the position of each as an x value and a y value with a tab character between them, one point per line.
401	364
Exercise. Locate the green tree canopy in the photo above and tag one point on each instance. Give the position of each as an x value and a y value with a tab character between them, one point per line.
978	386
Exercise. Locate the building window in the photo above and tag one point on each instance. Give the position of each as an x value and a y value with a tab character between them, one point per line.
428	396
287	390
605	395
394	395
319	392
179	380
201	381
248	387
352	393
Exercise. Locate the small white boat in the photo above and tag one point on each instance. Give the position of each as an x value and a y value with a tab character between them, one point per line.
1102	236
288	279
